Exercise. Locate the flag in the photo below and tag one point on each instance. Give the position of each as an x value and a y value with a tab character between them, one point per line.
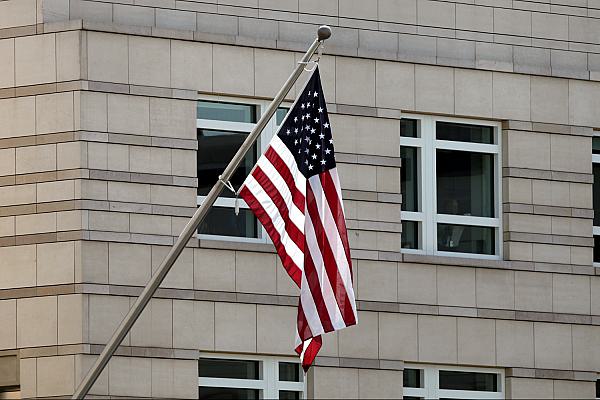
294	191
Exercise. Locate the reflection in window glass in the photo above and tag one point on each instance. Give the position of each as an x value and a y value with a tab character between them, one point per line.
289	395
280	115
410	235
596	248
289	372
231	369
222	221
227	112
598	389
215	150
409	127
465	183
216	393
596	145
409	179
465	239
464	132
596	195
460	380
413	378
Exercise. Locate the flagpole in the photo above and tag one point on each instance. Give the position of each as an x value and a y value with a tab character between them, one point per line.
323	33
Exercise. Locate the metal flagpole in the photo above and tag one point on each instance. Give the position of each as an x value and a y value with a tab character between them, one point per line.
323	33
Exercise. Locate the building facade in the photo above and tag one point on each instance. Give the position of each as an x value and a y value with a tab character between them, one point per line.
465	140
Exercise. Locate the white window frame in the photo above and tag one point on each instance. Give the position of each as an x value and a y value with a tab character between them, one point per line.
262	142
595	160
431	383
268	382
427	146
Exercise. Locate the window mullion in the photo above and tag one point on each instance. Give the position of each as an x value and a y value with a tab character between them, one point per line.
430	184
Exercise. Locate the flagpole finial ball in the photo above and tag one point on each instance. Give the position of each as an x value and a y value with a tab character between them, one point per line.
324	33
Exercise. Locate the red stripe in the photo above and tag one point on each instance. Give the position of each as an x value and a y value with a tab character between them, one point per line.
287	176
268	186
292	269
311	352
303	328
335	205
315	289
331	267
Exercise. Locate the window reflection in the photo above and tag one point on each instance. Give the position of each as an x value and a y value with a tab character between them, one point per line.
466	239
409	178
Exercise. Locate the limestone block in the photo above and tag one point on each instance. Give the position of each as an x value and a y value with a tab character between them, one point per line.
549	99
28	377
583	100
571	293
437	339
128	114
398	337
68	65
520	146
255	272
551	253
233	70
72	319
191	65
456	286
379	384
36	159
90	11
55	376
511	96
353	140
569	153
118	157
512	22
528	223
394	82
417	283
533	291
574	389
327	7
358	177
94	112
275	329
91	264
550	26
349	89
377	281
18	266
235	327
518	190
150	160
35	223
55	263
551	193
7	62
433	13
108	57
173	118
71	155
526	388
393	11
35	59
473	92
128	264
7	226
214	270
149	61
18	194
16	116
181	275
154	327
108	221
130	376
7	162
54	113
173	196
37	321
514	343
271	70
183	163
434	88
495	288
360	341
105	314
174	378
8	329
553	346
586	347
17	13
474	18
194	325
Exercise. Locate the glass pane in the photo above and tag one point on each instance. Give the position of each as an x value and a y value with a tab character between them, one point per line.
413	378
280	115
222	221
410	235
464	132
409	175
465	183
289	372
596	145
598	388
459	380
215	150
412	398
214	393
409	127
229	369
227	111
289	395
596	248
596	189
466	239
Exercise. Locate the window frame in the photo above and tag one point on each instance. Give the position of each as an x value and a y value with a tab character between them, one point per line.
262	144
427	145
431	373
595	160
268	381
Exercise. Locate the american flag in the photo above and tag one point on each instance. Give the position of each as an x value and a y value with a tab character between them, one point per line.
294	191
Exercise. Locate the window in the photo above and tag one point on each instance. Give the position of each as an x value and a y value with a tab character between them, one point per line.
222	128
428	382
450	182
238	377
596	196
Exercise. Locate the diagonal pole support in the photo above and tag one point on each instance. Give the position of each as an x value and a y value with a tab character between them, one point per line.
323	33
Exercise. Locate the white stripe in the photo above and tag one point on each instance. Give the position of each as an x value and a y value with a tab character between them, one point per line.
296	216
278	223
310	308
288	158
333	236
328	295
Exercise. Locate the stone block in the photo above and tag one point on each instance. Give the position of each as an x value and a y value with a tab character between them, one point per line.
19	194
569	64
583	100
363	10
68	66
526	388
128	114
55	376
152	160
183	163
174	378
175	19
194	325
377	44
217	24
271	69
173	118
379	384
531	60
494	56
258	29
349	89
35	223
128	264
434	88
7	226
82	365
553	346
130	376
191	65
399	12
28	376
456	286
229	317
551	193
36	159
17	13
533	291
55	263
458	53
511	97
386	132
413	48
358	177
574	389
108	57
72	319
512	22
154	327
360	341
437	339
8	329
394	85
214	270
518	190
149	61
108	221
520	146
476	341
71	155
514	343
275	329
474	18
94	112
586	347
133	15
551	253
105	314
150	224
495	288
433	13
377	281
18	266
37	323
255	272
117	157
7	63
181	275
16	115
128	192
569	153
7	162
333	382
318	7
35	59
398	337
90	11
529	223
233	70
473	92
571	293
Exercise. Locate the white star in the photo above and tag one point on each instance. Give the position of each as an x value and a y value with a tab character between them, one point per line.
306	151
326	124
314	156
315	94
307	127
321	136
330	140
307	105
327	151
322	162
308	115
302	106
306	138
296	130
288	132
296	142
310	167
313	130
295	119
317	120
309	92
318	146
303	118
320	109
306	162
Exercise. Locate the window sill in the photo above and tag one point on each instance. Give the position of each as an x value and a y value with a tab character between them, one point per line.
459	261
